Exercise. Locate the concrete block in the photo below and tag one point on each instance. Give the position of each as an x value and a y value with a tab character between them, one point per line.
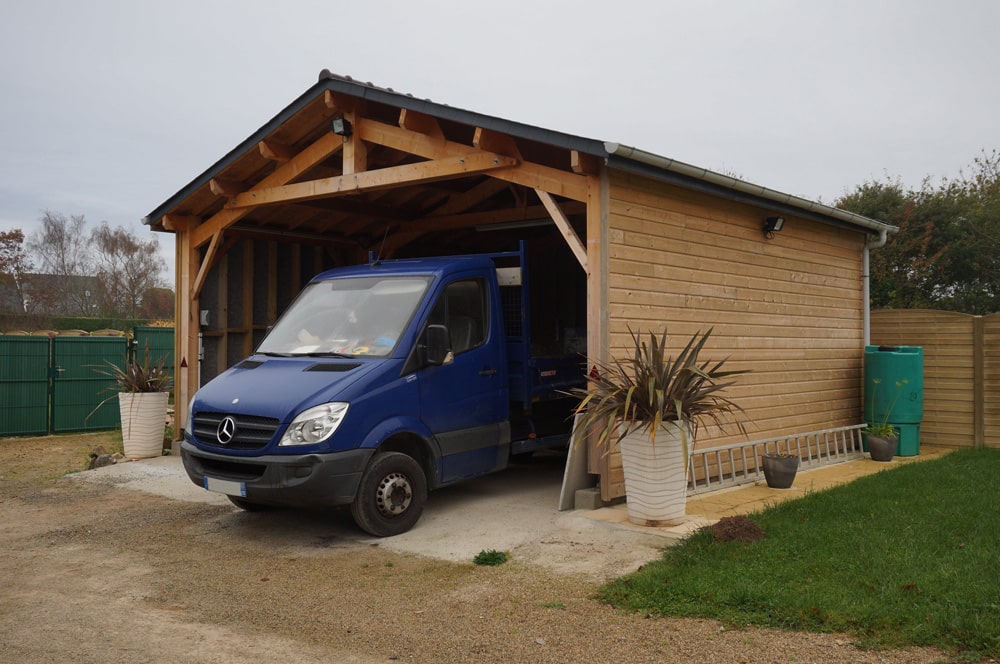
588	499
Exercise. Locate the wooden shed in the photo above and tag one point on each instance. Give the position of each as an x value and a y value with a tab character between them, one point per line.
631	239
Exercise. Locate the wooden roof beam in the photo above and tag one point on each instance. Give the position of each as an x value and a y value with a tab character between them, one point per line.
486	139
225	188
274	151
313	155
338	102
562	223
536	176
584	164
383	178
461	202
413	230
179	223
420	123
355	150
502	216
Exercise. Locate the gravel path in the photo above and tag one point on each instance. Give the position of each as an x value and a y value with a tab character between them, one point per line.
95	574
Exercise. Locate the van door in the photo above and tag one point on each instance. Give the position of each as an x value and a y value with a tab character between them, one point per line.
465	403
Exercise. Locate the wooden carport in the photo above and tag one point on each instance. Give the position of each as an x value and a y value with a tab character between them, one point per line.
350	168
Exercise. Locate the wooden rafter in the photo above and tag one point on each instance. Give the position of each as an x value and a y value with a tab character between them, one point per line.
457	203
328	144
179	223
584	164
420	123
503	216
383	178
536	176
413	230
227	188
271	149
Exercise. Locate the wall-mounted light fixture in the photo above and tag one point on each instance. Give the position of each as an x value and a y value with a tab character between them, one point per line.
773	225
340	126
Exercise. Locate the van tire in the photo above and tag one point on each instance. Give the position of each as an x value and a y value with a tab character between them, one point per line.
391	495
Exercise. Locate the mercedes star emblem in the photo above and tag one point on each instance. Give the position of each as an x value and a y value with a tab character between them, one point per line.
226	431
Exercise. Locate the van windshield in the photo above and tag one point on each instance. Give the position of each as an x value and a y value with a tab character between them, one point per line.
350	316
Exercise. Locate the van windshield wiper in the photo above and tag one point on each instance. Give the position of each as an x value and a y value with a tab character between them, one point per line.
324	353
315	353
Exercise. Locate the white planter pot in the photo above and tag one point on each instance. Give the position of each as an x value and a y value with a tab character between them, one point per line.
144	416
656	475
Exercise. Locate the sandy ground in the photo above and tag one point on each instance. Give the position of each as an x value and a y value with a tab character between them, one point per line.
119	568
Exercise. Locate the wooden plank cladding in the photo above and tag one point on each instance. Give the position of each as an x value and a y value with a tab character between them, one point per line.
961	371
787	308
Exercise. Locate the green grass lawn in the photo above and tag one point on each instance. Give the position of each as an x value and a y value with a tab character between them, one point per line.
906	556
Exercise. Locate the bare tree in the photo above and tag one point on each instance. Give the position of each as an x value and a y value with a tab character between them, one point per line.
14	264
127	269
63	250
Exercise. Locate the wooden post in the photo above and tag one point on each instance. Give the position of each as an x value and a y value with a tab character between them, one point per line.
979	381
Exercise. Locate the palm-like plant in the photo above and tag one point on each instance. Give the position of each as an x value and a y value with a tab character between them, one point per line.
135	376
652	388
147	375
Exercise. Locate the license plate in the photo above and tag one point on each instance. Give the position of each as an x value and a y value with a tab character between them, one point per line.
227	487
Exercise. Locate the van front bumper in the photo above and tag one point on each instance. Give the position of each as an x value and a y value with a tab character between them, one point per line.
307	480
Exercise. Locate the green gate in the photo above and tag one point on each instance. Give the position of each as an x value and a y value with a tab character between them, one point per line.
78	389
24	386
160	341
52	385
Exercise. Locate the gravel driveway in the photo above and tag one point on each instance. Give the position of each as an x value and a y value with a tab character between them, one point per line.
101	571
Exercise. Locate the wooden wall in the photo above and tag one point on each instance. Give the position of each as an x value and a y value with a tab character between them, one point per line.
245	292
961	371
788	308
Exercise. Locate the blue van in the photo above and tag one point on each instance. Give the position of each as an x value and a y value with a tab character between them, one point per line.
380	383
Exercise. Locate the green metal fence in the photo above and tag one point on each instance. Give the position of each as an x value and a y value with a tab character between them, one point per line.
78	389
24	385
51	385
160	341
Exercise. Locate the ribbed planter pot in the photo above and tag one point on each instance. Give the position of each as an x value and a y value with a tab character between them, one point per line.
144	416
655	476
881	448
780	470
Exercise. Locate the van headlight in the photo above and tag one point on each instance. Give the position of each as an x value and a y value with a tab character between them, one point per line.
315	424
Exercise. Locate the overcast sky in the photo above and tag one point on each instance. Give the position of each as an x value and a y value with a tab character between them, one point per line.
109	108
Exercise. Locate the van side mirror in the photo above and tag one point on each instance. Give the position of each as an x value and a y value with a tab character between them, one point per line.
438	345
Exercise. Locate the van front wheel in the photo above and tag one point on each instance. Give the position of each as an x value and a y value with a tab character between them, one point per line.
391	495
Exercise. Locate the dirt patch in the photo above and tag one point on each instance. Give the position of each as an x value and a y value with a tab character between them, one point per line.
96	573
737	529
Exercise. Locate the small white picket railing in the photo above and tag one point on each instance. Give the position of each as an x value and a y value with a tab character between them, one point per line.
724	466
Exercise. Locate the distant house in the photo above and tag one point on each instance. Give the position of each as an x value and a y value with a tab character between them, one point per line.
57	295
630	239
10	298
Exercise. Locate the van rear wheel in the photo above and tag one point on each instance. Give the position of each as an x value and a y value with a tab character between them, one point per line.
391	495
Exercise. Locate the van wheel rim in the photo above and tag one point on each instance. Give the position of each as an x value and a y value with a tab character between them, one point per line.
394	495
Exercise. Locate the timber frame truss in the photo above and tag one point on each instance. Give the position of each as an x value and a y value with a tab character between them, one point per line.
382	185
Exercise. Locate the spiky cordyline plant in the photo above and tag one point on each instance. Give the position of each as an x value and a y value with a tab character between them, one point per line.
652	388
145	376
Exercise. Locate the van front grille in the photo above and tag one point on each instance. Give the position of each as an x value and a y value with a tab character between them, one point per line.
249	432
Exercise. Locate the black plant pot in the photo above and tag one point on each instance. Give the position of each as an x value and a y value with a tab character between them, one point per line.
780	469
882	448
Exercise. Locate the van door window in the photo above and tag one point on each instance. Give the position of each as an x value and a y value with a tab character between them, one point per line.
462	309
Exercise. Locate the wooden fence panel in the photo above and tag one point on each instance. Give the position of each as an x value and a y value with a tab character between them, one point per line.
961	371
991	380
